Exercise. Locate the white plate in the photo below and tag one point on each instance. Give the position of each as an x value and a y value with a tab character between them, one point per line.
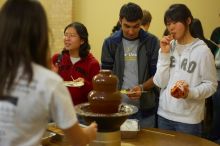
73	84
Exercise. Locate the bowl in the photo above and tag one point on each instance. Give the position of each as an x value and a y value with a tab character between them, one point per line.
106	122
129	129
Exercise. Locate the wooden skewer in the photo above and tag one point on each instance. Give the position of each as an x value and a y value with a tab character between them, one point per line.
140	91
159	132
72	78
132	92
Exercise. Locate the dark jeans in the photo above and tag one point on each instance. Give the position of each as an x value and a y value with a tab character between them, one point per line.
193	129
144	120
215	130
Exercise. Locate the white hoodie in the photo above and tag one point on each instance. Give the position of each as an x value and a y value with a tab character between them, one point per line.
195	64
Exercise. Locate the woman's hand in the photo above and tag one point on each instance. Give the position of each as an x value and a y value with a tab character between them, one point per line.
79	79
91	131
79	136
165	43
54	68
180	89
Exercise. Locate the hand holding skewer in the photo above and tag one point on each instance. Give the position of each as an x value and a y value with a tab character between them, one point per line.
134	93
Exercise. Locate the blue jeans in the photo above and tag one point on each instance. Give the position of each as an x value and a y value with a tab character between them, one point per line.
194	129
144	120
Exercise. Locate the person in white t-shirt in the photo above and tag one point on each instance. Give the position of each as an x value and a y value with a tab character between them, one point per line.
31	94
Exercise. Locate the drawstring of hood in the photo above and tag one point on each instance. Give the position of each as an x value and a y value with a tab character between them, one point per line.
192	45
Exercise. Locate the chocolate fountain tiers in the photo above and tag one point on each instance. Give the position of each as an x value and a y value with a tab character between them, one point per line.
106	122
105	109
105	97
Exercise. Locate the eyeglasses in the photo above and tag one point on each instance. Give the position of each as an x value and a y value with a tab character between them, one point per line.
70	35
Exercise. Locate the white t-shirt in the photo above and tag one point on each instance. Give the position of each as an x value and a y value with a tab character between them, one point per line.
25	111
74	59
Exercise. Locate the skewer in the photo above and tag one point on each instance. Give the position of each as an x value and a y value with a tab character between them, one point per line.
72	78
132	92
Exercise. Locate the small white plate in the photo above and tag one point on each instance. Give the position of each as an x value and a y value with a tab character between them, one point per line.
73	84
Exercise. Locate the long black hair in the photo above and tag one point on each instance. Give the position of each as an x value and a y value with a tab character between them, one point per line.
83	34
24	39
197	32
215	37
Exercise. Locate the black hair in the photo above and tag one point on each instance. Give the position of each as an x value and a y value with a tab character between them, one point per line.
215	36
83	34
131	12
196	29
146	17
166	32
116	27
24	39
177	13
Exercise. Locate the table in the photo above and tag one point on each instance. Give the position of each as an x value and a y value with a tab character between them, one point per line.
158	137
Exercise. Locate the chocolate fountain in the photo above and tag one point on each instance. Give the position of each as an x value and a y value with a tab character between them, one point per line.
106	109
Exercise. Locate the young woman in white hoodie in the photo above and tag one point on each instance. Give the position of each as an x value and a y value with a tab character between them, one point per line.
188	60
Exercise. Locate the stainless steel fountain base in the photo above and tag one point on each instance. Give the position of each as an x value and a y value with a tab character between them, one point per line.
107	139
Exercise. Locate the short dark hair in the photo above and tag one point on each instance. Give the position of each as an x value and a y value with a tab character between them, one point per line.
146	17
131	12
24	39
83	34
177	13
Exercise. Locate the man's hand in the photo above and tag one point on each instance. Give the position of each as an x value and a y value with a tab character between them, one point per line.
135	92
